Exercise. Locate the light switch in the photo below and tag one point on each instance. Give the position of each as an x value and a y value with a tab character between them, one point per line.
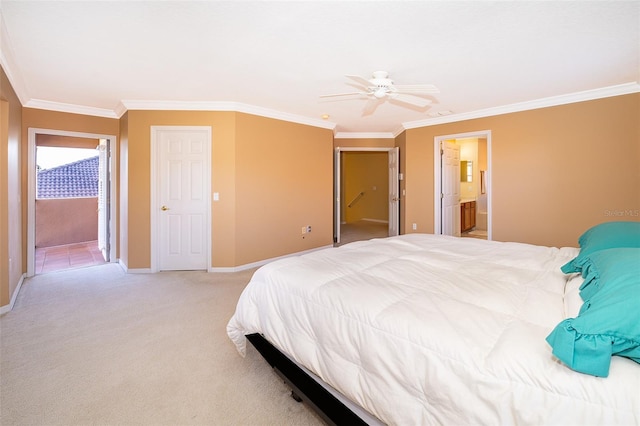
216	196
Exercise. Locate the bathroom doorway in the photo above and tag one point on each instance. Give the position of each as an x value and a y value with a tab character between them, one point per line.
472	181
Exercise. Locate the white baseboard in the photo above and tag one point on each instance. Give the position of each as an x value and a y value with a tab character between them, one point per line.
262	262
7	308
134	270
221	269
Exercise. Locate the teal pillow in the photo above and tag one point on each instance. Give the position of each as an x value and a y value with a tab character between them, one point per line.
604	236
609	321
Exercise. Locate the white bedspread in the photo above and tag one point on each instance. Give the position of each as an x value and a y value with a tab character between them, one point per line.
423	329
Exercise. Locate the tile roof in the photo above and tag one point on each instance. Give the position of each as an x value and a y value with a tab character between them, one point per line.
77	179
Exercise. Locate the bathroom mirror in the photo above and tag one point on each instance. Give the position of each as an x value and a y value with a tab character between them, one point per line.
466	171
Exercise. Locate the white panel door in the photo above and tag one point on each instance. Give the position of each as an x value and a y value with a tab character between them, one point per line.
183	199
394	193
450	157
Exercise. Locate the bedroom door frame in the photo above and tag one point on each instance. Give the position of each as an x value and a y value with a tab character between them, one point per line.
437	178
394	188
31	190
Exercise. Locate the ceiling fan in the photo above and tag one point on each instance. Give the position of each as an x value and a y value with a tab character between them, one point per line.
380	87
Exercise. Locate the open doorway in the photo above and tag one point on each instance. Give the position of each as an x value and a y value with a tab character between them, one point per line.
67	206
366	190
462	180
70	193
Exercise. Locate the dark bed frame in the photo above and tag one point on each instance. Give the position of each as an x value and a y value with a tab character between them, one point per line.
304	387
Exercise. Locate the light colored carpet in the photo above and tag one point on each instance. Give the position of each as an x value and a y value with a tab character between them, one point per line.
96	346
362	230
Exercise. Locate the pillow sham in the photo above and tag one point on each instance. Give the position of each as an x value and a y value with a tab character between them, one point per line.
609	320
572	300
604	236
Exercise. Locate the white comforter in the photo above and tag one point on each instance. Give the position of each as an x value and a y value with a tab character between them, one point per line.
424	329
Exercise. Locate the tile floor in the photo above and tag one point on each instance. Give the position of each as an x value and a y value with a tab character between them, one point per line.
56	258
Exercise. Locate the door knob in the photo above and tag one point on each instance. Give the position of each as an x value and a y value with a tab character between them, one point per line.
164	208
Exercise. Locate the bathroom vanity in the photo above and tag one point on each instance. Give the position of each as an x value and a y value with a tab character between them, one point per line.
467	215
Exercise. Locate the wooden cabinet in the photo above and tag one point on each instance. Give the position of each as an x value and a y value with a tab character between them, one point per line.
467	216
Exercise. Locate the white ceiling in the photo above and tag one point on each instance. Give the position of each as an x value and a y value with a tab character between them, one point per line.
276	58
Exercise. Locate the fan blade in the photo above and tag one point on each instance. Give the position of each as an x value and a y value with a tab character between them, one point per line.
410	99
417	88
360	80
371	106
342	94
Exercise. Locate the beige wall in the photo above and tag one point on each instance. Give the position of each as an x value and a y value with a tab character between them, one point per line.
11	222
284	181
66	221
53	120
66	141
273	177
136	181
555	171
4	208
366	172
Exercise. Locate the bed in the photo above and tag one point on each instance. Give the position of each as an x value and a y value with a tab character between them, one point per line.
431	329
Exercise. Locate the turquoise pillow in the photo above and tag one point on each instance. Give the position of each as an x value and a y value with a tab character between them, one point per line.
604	236
609	321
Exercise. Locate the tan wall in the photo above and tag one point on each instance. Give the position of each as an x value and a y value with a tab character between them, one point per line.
66	221
11	221
4	208
366	172
66	141
53	120
284	181
273	177
555	171
136	170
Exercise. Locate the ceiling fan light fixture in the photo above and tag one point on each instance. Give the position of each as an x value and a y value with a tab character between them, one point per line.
380	92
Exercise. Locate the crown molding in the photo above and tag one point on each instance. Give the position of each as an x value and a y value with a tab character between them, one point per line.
587	95
364	135
225	106
70	108
398	131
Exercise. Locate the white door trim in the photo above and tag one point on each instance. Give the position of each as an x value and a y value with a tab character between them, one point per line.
31	189
155	188
336	186
437	178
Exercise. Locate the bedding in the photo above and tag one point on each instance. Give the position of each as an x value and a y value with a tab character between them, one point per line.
426	329
608	322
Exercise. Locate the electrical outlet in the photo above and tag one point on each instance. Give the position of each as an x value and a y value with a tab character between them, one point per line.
415	226
308	228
